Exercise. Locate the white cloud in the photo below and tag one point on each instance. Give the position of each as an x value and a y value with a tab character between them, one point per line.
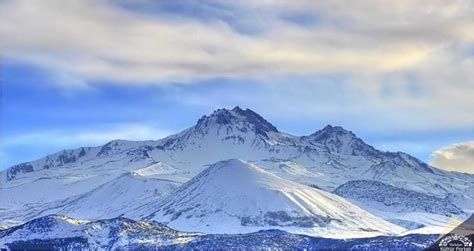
374	43
458	157
91	137
95	39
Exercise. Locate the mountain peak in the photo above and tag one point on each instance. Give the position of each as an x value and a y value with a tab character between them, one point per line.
337	139
238	116
237	109
332	130
333	133
234	167
231	163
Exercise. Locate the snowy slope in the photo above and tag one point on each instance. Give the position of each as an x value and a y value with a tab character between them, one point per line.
124	196
326	159
234	196
389	198
401	206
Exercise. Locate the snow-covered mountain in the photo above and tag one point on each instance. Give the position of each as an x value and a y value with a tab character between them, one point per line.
57	232
234	196
72	181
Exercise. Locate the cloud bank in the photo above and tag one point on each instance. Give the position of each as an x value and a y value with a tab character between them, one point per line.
458	157
405	64
102	40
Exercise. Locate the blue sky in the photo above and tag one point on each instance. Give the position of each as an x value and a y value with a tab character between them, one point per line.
73	75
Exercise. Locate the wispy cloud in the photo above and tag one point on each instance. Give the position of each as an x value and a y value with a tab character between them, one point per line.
457	157
16	148
88	137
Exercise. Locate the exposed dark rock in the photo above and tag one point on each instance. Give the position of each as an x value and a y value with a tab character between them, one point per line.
400	199
20	168
82	152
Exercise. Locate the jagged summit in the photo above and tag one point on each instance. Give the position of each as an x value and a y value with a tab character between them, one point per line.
225	126
238	116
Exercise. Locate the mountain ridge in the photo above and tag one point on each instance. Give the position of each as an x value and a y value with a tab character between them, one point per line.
328	135
325	159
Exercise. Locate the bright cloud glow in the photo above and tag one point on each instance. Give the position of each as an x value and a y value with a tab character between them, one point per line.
458	157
